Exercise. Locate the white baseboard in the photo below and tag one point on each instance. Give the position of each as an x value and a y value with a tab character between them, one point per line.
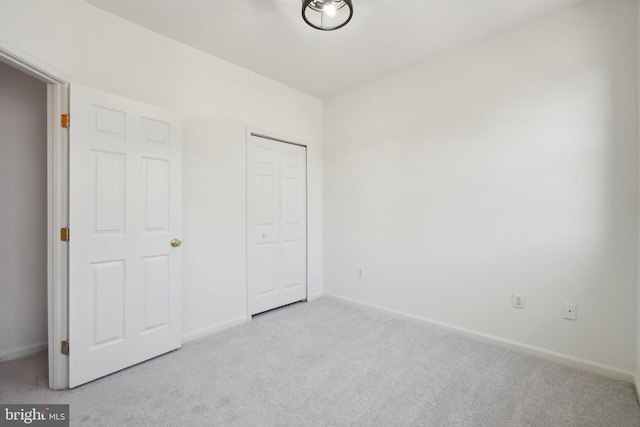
23	351
314	296
563	359
203	332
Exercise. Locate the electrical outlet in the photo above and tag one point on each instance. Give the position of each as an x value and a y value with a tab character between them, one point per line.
518	300
360	273
569	311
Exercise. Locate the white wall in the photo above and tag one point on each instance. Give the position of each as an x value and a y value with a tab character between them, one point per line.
217	101
23	213
508	166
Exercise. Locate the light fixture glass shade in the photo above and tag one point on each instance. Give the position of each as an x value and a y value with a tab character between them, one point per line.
327	15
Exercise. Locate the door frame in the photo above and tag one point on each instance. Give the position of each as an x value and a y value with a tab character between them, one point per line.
285	140
57	202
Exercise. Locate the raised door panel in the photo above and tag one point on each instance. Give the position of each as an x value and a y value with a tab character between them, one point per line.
109	122
108	302
108	194
290	264
156	132
266	200
156	293
156	193
266	267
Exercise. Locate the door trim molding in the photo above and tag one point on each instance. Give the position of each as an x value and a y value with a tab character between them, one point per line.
57	201
286	140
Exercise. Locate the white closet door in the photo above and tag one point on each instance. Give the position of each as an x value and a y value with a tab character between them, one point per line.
125	210
277	224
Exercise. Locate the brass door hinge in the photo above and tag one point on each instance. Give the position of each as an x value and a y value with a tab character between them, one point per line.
64	348
64	121
64	234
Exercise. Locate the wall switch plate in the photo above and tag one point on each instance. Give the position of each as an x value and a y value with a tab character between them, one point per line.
569	311
518	300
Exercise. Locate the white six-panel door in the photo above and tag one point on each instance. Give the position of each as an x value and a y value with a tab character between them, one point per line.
277	224
125	209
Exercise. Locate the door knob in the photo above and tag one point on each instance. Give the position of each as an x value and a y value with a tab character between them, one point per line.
175	243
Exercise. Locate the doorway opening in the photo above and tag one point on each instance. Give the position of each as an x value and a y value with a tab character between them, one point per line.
55	215
23	174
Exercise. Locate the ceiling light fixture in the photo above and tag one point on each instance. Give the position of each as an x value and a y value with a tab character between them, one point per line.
327	15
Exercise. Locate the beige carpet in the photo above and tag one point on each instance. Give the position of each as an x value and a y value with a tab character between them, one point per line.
326	363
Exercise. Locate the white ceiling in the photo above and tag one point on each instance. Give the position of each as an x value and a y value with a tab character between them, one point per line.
269	37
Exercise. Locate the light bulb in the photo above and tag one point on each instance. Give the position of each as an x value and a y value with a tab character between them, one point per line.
329	9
